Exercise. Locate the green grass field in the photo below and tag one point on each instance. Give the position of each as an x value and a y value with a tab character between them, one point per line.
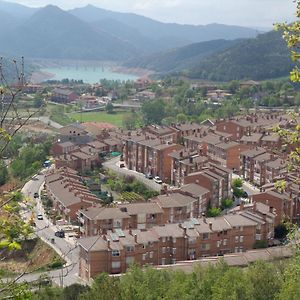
116	118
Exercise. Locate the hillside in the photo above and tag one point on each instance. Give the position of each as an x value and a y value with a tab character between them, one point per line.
260	58
179	59
156	30
54	33
92	33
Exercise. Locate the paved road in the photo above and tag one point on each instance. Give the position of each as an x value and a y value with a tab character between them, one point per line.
113	164
46	120
66	248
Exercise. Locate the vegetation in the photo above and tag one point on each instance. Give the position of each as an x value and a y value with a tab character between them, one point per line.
227	203
260	281
129	184
214	212
116	118
30	160
58	115
248	59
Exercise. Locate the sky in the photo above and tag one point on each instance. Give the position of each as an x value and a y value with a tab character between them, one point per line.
251	13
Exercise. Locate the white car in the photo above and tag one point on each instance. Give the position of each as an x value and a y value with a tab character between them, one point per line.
158	180
40	217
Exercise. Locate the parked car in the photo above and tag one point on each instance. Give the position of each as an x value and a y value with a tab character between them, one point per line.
158	180
36	195
40	216
122	165
60	233
149	176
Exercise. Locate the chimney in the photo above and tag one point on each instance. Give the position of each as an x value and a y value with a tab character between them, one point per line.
135	238
271	209
254	206
242	206
210	225
191	159
108	244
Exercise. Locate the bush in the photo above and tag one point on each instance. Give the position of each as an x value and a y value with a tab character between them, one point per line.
281	231
237	183
227	203
214	212
260	244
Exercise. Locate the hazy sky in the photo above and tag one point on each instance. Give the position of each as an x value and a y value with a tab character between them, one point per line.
255	13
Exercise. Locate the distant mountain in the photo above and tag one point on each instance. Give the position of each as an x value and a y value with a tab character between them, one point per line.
92	33
17	10
166	33
54	33
264	57
179	59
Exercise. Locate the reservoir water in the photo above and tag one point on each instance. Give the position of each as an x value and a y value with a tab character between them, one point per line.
87	74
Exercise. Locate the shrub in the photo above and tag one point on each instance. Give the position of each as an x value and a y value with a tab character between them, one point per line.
214	212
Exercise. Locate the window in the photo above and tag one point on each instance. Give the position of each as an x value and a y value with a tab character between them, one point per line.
241	249
225	242
163	249
129	260
151	254
236	249
205	246
174	240
129	248
241	239
241	228
173	250
219	244
163	261
116	264
144	256
205	236
225	232
164	239
236	239
173	261
192	240
115	253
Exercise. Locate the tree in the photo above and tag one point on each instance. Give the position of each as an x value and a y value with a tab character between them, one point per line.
214	212
291	33
3	173
153	111
237	182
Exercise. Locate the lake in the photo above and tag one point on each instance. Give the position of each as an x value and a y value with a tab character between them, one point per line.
87	74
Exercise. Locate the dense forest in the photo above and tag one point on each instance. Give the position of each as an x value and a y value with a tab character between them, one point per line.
260	58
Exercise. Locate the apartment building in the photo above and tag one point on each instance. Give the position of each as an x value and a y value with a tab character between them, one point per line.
67	193
254	123
99	219
149	155
185	162
165	133
283	203
227	154
63	96
261	167
171	243
179	207
248	161
215	179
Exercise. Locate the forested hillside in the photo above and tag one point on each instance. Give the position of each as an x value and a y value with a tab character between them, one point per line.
260	58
